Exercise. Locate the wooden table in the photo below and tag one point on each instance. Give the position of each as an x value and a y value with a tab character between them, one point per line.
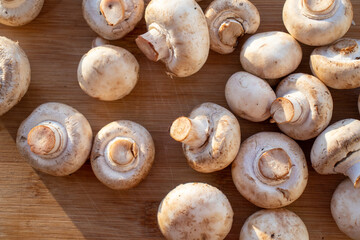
38	206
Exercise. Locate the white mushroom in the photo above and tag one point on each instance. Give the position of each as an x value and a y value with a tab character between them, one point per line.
195	211
303	108
228	20
317	22
270	55
15	74
249	97
177	35
270	170
19	12
279	224
55	139
337	150
211	137
113	19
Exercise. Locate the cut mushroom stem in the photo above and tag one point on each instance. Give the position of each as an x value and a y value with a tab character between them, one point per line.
229	32
354	174
12	3
121	151
113	11
318	8
153	45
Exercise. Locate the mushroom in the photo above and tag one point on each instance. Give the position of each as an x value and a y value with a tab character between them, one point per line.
345	209
210	136
195	211
270	55
338	65
279	224
249	97
113	19
55	139
228	20
337	150
270	170
15	74
303	108
122	154
317	23
19	12
177	35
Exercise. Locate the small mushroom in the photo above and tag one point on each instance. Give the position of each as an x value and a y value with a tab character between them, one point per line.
19	12
249	97
279	224
317	23
113	19
303	108
55	139
15	74
338	65
177	35
345	209
195	211
337	150
228	20
270	55
210	135
270	170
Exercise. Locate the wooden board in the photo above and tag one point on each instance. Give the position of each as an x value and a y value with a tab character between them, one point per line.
37	206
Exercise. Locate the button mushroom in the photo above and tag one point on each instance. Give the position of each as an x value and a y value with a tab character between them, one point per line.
345	209
113	19
303	108
270	55
228	20
270	170
177	35
338	65
317	23
337	150
279	224
55	139
211	137
19	12
195	211
122	154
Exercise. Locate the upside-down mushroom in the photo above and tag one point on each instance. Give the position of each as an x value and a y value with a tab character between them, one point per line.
19	12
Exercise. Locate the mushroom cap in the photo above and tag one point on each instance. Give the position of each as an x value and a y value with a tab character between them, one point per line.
108	72
79	139
223	143
249	97
317	23
195	211
320	106
280	191
270	55
133	13
279	224
114	175
19	12
338	65
15	74
345	209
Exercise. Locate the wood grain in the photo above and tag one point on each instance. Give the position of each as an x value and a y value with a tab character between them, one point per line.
37	206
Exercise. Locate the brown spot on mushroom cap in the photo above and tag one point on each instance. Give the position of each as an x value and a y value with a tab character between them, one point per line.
41	140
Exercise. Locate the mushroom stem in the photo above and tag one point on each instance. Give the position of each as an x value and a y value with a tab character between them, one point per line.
121	151
345	46
319	9
113	11
98	41
229	31
153	45
12	3
354	174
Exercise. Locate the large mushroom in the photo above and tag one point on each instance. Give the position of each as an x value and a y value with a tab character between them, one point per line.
270	170
210	135
19	12
55	139
177	35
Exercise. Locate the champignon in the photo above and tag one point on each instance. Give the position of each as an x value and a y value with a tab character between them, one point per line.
177	35
195	211
228	20
55	139
270	55
338	65
345	209
303	108
279	224
19	12
337	150
113	19
210	135
317	23
122	154
270	170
